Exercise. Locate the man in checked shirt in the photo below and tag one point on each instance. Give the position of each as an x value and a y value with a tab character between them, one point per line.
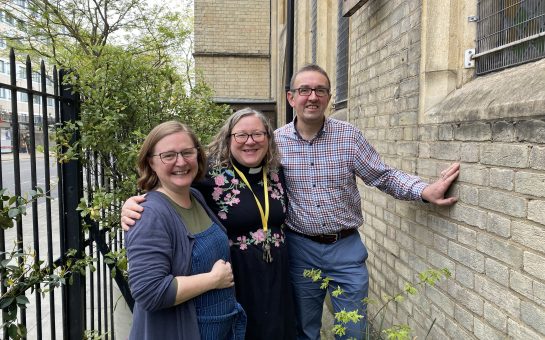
322	157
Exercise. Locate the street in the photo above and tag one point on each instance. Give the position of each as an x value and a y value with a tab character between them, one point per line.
8	179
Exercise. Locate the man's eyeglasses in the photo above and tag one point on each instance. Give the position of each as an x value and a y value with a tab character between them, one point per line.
242	137
306	91
171	157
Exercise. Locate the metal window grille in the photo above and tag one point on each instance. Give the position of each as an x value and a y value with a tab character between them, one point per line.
314	28
341	93
509	32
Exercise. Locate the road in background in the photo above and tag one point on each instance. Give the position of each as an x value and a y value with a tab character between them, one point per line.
8	179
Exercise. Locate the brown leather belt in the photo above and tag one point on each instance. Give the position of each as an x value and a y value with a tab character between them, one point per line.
327	238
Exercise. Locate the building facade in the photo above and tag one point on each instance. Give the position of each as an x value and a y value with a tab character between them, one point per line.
8	26
427	86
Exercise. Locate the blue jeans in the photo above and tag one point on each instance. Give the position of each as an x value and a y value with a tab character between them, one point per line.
342	261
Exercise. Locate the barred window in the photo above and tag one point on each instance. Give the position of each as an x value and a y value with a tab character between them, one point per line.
341	93
314	28
509	32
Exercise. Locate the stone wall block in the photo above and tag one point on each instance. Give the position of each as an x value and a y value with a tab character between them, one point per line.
474	131
515	156
503	202
530	183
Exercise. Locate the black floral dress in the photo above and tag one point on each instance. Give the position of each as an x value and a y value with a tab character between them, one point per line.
262	281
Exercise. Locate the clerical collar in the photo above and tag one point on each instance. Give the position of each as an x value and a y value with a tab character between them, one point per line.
245	169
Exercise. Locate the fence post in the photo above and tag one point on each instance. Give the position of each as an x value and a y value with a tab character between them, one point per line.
72	191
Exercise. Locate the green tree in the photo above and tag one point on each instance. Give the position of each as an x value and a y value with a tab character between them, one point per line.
129	64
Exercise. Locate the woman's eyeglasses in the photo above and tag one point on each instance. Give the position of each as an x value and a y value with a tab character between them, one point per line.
170	157
242	137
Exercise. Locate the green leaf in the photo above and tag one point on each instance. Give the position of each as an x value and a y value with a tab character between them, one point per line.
4	302
5	221
13	212
22	300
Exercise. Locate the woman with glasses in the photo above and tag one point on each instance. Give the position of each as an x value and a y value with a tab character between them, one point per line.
179	270
244	186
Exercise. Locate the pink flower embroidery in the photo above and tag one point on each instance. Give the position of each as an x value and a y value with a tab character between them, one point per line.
276	238
222	215
234	181
259	236
274	177
219	180
217	193
235	191
242	240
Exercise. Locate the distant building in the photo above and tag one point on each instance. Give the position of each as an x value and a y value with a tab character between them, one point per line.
8	25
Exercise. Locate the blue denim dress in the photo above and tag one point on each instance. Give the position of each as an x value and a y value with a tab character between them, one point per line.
219	315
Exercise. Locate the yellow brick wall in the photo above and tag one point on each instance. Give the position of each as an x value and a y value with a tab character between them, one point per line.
232	40
233	77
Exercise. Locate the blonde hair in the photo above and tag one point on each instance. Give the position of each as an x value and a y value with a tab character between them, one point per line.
219	149
148	178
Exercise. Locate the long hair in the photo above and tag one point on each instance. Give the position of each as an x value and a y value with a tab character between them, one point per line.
148	178
309	68
219	149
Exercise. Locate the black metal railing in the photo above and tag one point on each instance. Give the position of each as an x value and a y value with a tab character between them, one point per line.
29	163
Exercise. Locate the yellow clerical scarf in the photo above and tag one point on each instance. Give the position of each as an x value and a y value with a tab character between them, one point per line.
264	214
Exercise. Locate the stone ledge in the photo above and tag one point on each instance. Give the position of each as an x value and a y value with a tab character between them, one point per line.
515	92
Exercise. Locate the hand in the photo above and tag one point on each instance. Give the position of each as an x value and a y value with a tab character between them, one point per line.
130	212
222	274
435	192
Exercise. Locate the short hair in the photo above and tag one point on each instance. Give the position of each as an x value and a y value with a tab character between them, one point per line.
148	178
309	68
220	151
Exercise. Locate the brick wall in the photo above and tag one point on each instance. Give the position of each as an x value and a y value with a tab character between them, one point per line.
232	39
233	77
493	239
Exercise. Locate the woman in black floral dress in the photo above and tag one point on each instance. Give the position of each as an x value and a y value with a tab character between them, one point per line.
244	186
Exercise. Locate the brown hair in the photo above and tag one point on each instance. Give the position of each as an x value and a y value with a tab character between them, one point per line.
309	68
148	178
220	151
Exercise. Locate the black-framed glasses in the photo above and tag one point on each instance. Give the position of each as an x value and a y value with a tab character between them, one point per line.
242	137
170	157
306	91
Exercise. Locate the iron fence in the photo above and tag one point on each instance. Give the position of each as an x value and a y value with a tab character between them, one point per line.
53	225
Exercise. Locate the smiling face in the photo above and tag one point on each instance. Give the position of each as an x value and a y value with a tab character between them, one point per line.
178	175
250	153
309	109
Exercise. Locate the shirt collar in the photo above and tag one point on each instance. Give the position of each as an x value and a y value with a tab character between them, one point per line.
322	130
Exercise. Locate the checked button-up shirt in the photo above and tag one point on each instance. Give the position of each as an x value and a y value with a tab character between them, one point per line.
321	175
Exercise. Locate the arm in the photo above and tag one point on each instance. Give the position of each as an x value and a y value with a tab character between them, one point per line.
188	287
397	183
152	253
130	212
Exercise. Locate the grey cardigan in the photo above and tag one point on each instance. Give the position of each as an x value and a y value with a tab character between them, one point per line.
159	248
